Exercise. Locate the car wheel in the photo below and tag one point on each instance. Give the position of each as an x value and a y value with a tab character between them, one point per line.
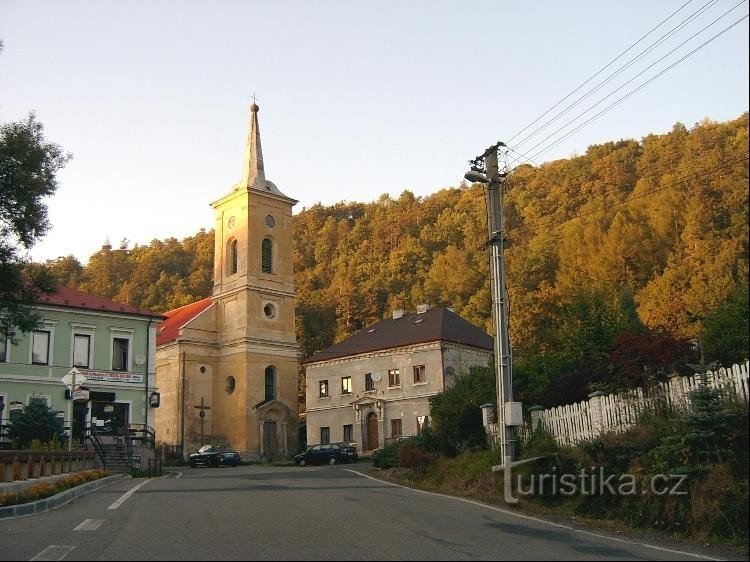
302	462
332	461
192	464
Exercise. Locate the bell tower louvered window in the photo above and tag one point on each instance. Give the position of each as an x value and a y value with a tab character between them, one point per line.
267	256
232	256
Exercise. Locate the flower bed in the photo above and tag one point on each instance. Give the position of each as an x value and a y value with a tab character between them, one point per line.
43	490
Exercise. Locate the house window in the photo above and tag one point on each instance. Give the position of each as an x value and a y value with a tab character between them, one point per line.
267	255
419	376
349	433
120	349
396	428
270	383
3	349
422	423
369	383
232	256
394	378
346	385
81	350
323	389
40	347
325	435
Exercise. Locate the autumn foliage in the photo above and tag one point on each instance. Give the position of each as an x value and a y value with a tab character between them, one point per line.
620	261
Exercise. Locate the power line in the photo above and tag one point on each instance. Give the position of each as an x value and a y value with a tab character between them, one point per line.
621	69
631	92
601	69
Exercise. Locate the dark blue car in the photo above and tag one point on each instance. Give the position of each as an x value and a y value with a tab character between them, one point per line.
327	453
208	455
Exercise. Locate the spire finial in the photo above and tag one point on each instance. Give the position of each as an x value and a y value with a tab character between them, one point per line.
254	175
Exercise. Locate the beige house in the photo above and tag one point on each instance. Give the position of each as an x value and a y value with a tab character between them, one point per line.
226	366
376	385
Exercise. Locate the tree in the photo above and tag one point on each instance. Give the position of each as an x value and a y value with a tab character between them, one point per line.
36	421
726	330
456	413
28	168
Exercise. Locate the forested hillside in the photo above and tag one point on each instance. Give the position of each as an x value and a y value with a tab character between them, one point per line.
621	263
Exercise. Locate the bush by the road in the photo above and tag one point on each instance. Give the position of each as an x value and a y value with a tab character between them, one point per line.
47	489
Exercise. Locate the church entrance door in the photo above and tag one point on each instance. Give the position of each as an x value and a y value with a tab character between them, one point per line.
372	431
271	441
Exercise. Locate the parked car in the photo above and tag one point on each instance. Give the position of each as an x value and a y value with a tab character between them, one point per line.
209	455
327	453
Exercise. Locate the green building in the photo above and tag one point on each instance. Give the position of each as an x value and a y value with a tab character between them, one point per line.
112	347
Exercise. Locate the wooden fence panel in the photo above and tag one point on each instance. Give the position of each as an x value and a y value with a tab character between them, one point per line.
573	423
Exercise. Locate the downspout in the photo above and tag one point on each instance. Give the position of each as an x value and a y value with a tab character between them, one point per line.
182	403
148	366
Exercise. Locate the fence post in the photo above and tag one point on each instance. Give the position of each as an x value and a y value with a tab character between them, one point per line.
536	416
597	412
676	393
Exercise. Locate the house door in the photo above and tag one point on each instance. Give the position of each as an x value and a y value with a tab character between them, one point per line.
270	441
372	431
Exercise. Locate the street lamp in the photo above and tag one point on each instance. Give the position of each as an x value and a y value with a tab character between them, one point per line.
484	170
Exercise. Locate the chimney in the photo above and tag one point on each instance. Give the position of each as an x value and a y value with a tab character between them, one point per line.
398	313
422	308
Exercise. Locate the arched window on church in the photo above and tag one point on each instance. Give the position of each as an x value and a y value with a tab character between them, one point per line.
232	256
267	255
270	383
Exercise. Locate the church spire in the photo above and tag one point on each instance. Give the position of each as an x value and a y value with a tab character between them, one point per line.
253	176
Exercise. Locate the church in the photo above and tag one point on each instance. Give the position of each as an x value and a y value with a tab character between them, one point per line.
227	365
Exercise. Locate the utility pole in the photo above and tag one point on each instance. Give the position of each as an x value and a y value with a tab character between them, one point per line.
484	169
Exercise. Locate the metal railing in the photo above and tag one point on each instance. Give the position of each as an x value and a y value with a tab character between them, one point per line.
142	434
93	436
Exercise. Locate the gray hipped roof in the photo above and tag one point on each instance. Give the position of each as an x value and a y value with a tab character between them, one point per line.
439	324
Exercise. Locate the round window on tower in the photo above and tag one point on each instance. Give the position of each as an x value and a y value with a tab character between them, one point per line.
269	310
270	221
230	385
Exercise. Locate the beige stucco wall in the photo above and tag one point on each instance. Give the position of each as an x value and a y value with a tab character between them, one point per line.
406	401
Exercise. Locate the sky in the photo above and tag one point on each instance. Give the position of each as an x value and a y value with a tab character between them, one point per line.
357	99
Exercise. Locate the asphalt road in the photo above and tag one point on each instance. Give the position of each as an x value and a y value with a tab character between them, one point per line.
311	513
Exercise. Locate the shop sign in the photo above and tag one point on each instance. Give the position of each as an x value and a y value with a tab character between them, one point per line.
113	376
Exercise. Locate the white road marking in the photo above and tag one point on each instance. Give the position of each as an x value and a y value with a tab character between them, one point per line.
123	498
530	518
178	474
54	552
90	525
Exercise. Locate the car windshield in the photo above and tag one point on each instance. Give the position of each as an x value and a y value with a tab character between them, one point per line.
206	449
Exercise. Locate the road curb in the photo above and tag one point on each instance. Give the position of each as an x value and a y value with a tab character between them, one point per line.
57	500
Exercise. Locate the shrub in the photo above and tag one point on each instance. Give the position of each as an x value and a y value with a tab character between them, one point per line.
456	416
43	490
37	422
388	456
412	455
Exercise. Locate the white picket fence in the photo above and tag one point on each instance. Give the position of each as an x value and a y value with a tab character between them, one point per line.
601	413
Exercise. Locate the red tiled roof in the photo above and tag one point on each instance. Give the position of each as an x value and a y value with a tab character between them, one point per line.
72	298
440	324
168	330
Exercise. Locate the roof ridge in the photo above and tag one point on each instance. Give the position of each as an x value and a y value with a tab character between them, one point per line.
179	308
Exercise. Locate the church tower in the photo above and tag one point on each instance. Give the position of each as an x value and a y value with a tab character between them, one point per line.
227	365
254	298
